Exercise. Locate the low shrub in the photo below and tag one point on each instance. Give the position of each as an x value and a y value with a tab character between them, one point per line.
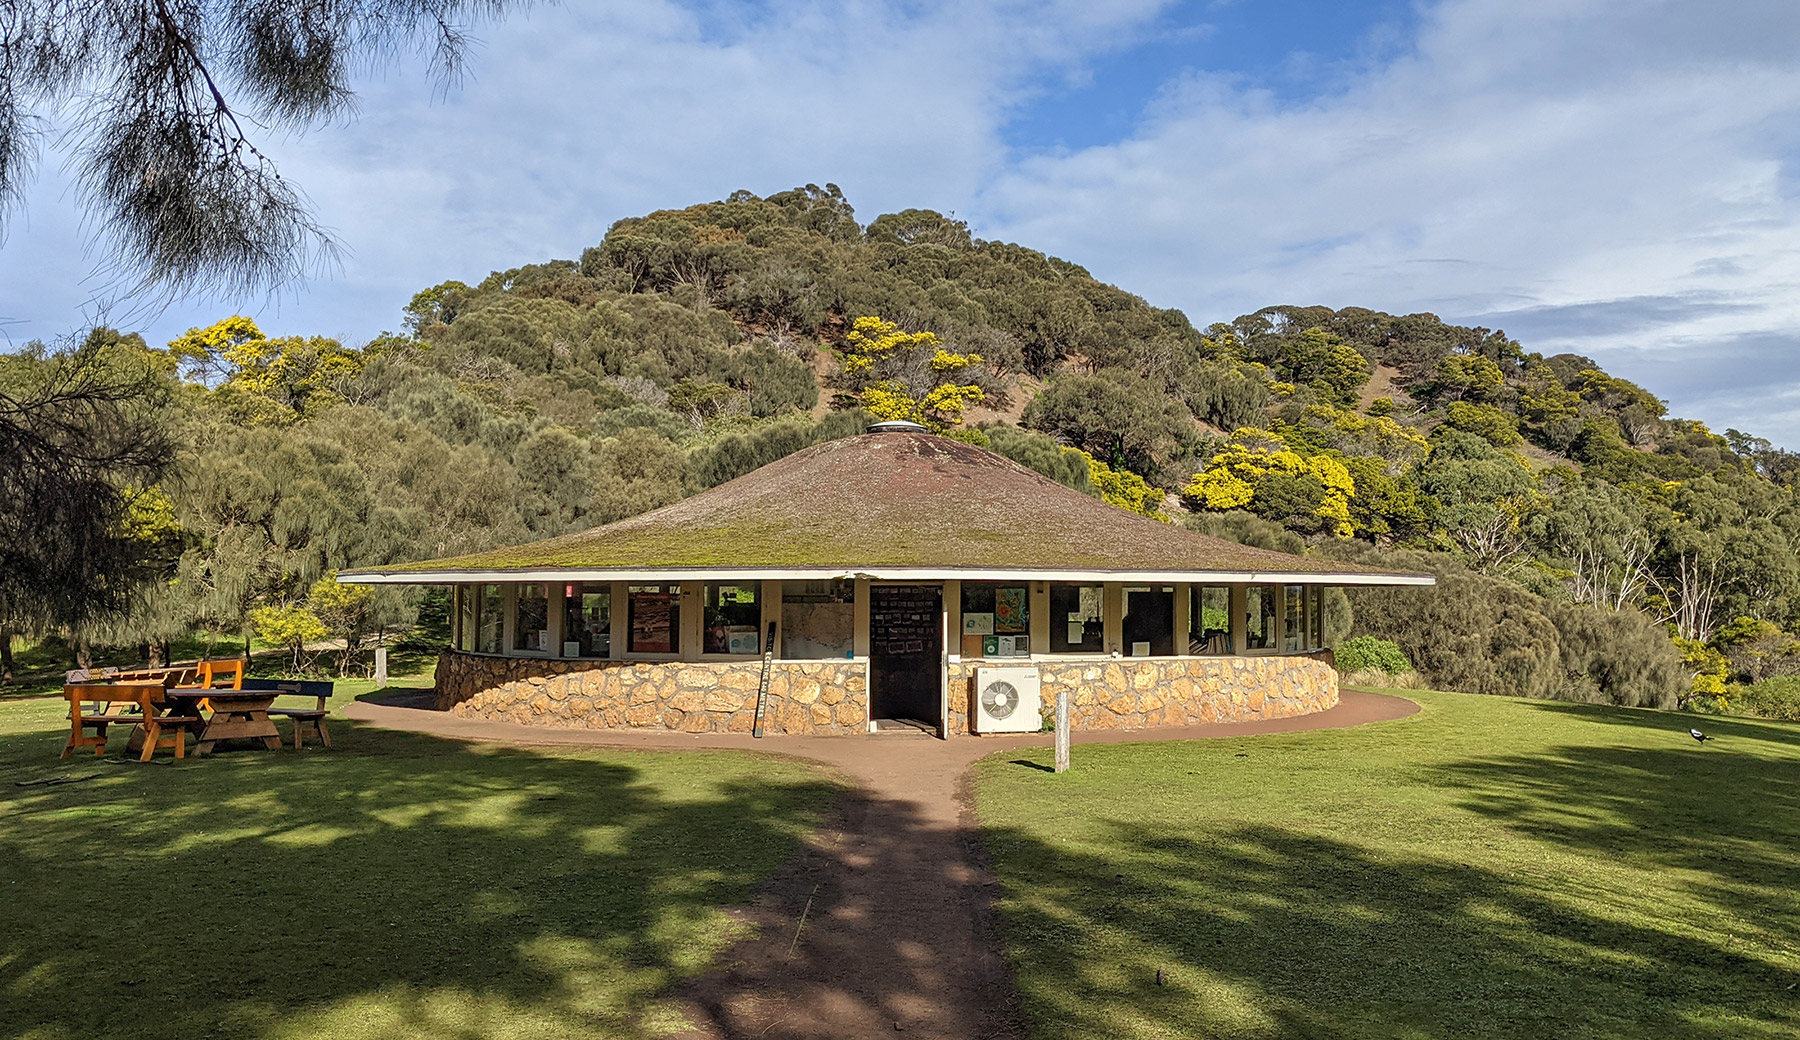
1777	698
1363	653
1376	679
1477	634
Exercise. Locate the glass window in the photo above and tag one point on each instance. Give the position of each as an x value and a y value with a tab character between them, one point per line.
733	618
465	613
1293	619
655	619
1261	603
587	620
818	619
1315	617
1075	619
1149	621
531	618
996	620
490	619
1209	619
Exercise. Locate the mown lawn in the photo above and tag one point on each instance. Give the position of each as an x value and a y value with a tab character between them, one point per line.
1488	868
396	886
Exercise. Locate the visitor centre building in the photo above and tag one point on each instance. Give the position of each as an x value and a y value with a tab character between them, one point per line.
894	578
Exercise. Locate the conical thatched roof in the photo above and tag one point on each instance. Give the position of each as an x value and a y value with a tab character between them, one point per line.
900	505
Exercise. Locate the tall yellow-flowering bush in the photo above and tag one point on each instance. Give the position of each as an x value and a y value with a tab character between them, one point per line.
908	375
1253	456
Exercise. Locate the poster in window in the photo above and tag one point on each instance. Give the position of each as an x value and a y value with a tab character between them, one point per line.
978	624
1090	601
651	631
990	646
1009	611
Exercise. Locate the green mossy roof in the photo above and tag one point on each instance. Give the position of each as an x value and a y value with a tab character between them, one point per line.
898	500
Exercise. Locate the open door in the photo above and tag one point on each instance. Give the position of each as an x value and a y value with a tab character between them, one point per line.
906	654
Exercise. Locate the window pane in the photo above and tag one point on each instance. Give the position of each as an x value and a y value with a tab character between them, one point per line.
818	619
1293	619
531	618
587	620
1261	602
466	635
1149	620
655	619
733	616
996	620
1315	613
1075	619
491	619
1209	619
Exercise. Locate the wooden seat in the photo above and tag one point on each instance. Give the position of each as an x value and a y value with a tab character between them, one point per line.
160	730
303	717
220	675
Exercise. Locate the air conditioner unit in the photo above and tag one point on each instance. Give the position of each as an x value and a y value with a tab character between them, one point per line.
1006	700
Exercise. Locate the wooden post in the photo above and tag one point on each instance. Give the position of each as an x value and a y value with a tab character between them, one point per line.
1062	729
762	688
381	676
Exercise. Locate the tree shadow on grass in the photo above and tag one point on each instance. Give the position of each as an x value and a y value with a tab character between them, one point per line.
1264	932
1677	724
398	885
1726	813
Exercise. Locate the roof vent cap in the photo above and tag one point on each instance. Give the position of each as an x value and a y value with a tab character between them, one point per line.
897	426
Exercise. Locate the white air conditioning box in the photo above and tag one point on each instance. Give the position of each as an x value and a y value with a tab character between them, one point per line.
1007	700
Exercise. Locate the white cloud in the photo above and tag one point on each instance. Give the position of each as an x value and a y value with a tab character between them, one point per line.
1522	160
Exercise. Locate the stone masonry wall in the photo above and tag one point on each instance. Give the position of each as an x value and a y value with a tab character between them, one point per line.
1136	694
689	696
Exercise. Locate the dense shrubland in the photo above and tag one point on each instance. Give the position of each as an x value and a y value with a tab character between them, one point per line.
1589	545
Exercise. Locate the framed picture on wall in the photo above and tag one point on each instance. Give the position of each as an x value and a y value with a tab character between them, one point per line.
1009	611
978	624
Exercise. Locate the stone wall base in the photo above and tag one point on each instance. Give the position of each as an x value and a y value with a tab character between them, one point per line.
1141	693
686	696
833	696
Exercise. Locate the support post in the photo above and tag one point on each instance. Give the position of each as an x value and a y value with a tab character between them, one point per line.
1062	729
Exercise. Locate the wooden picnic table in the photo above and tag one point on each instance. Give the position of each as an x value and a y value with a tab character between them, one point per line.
236	714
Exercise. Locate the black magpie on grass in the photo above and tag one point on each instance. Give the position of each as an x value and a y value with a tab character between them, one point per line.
1697	735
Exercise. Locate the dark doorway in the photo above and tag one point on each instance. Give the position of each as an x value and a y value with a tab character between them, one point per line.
906	653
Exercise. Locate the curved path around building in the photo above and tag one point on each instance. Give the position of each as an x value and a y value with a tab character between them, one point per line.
882	924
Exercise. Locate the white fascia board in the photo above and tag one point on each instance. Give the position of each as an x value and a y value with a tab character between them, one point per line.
895	574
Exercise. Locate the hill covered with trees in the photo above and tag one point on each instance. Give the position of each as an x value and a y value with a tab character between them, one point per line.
1589	545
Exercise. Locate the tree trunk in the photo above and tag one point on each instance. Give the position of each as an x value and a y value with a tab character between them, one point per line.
84	655
159	654
6	657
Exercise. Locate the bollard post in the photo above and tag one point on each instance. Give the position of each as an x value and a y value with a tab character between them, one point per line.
1062	730
381	675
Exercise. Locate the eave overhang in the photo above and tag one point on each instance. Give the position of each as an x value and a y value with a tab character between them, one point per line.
379	576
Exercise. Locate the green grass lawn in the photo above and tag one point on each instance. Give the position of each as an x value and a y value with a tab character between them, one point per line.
395	886
1488	868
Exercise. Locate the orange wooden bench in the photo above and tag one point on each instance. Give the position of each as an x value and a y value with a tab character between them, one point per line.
113	707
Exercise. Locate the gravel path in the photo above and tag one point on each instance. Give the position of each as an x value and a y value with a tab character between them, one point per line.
897	933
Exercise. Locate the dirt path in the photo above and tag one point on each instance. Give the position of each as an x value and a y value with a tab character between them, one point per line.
897	933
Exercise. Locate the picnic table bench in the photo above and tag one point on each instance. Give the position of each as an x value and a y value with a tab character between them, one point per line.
211	699
320	692
114	701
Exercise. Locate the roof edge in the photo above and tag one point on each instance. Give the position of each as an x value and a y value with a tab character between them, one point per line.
396	576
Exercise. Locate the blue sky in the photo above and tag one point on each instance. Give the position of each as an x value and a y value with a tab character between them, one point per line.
1612	177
